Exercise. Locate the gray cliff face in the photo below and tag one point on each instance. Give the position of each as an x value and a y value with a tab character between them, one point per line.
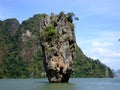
58	46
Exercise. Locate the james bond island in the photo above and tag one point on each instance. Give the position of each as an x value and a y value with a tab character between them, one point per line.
58	46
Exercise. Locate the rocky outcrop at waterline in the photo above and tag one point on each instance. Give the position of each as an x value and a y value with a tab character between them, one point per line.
58	46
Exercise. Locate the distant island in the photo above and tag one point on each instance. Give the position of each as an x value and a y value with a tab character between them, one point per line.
116	73
21	53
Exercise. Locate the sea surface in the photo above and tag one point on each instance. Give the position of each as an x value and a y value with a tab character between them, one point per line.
74	84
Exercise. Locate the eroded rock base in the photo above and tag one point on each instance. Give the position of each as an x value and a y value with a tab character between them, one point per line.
55	77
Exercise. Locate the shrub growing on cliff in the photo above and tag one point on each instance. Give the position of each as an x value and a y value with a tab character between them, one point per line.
49	33
71	17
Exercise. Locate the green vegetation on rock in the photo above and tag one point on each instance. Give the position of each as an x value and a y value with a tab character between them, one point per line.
49	33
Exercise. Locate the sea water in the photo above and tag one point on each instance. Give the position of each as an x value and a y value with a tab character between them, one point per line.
74	84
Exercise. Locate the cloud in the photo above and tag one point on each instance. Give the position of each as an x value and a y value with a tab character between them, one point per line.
98	39
102	44
112	63
111	34
116	54
105	52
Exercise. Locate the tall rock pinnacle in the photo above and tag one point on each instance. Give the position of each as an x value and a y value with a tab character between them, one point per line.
58	46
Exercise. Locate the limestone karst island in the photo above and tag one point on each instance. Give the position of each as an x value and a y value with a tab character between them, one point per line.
45	46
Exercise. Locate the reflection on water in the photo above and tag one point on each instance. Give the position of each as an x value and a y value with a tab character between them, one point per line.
58	86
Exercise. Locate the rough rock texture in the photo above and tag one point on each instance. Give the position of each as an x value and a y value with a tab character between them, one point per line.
58	46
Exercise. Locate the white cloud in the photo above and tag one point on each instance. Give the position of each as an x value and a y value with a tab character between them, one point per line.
112	63
102	44
116	54
111	34
105	52
100	51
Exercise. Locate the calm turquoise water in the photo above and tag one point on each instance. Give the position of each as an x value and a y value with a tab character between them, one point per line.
74	84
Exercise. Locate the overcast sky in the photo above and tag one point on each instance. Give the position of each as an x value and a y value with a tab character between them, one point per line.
97	31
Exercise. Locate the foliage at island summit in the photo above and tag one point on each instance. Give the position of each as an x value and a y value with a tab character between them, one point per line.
21	53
